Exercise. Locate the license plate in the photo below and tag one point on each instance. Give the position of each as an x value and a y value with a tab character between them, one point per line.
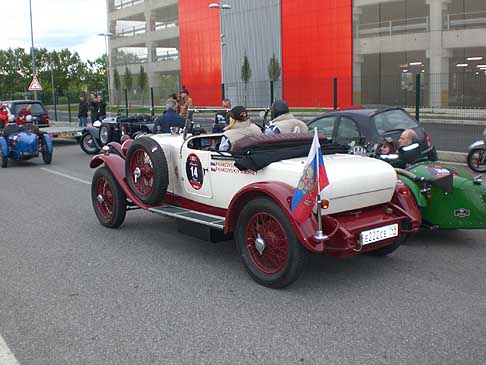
378	234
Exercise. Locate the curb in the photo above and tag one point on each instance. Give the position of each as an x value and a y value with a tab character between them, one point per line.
456	157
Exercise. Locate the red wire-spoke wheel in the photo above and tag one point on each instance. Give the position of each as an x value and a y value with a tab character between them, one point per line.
269	248
266	242
109	200
104	198
142	172
146	170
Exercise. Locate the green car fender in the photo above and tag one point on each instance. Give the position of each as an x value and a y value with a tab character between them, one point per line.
415	188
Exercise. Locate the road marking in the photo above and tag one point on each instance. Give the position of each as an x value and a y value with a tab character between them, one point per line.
65	176
6	356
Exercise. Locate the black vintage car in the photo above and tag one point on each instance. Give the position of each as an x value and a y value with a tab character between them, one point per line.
112	129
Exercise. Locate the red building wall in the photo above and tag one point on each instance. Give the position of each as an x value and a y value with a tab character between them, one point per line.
317	45
200	51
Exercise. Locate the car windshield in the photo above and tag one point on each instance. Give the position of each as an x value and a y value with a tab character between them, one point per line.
393	120
36	108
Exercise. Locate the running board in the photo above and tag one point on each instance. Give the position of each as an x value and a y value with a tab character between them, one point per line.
194	216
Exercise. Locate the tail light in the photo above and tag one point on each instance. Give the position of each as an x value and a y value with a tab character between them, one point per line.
429	140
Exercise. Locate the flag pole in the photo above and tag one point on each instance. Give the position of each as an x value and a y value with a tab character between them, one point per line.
320	236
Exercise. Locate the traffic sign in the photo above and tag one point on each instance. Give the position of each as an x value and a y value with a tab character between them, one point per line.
35	85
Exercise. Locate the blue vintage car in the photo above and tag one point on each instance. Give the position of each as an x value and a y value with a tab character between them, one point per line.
23	143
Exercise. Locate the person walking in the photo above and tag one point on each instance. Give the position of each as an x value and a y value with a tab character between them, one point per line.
83	111
93	107
185	102
101	112
169	119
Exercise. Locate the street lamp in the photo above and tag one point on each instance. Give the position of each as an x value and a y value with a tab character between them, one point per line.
107	35
32	48
220	7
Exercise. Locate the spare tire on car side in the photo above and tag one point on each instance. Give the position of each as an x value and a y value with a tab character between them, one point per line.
146	170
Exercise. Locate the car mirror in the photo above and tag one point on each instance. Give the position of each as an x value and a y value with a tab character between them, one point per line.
97	124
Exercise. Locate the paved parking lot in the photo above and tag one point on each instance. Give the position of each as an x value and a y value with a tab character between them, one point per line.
73	292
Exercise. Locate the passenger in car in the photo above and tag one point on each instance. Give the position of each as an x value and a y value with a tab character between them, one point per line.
3	115
388	147
283	121
239	127
407	137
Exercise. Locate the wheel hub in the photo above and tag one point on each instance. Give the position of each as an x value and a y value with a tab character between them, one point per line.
137	173
260	244
100	199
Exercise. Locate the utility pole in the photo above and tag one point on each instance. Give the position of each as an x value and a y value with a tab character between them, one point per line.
32	48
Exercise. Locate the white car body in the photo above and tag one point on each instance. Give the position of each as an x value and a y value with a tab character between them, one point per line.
354	181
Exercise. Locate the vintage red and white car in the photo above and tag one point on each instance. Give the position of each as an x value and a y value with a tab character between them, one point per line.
365	208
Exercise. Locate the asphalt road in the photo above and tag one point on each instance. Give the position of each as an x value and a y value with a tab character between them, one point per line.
73	292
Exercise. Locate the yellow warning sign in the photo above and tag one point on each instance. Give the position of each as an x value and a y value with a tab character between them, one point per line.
35	85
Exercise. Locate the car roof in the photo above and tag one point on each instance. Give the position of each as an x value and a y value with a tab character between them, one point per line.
20	101
361	112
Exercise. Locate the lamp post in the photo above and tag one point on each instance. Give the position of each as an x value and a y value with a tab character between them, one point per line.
108	83
32	47
220	7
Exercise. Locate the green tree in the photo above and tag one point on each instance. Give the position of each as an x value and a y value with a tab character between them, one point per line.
274	69
246	75
142	81
128	79
116	85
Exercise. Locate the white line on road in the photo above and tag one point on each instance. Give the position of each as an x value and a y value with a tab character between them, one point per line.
65	176
6	356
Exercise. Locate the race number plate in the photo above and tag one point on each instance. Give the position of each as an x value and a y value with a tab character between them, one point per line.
378	234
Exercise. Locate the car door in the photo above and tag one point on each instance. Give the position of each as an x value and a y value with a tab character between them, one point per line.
347	132
194	168
325	125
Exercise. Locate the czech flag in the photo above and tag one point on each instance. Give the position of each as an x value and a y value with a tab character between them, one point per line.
314	177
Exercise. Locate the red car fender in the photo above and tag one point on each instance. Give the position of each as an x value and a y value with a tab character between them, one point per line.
403	198
116	165
281	194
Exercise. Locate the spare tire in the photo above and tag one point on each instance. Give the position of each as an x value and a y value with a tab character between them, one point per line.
146	170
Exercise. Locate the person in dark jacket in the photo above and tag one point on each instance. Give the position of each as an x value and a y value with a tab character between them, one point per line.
93	108
221	119
83	111
101	114
169	119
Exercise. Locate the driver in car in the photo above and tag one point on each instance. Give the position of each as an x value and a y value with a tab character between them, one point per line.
283	121
239	127
408	137
23	113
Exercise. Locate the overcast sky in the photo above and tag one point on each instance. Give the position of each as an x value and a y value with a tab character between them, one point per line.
58	24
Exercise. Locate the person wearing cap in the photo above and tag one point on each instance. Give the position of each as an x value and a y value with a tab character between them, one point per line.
283	121
3	115
169	119
185	101
387	147
239	127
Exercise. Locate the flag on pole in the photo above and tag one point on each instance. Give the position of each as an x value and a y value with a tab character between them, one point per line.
313	180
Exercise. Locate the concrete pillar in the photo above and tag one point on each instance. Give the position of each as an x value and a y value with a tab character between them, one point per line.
438	56
357	72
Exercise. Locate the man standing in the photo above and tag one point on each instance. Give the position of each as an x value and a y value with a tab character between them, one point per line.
169	119
93	107
221	119
23	113
83	111
101	114
186	102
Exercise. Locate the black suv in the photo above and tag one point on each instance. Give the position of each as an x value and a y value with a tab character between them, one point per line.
40	116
